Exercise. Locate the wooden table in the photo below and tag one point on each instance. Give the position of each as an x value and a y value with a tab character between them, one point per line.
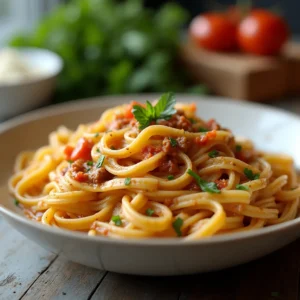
29	272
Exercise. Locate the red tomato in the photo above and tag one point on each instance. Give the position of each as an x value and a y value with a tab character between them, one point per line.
128	111
82	150
213	31
68	151
262	33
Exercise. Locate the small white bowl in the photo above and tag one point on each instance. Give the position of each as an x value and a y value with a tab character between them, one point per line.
16	98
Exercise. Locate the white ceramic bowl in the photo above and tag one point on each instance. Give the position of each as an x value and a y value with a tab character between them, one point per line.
16	98
270	129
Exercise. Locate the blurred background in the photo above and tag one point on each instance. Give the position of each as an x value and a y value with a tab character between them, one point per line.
135	46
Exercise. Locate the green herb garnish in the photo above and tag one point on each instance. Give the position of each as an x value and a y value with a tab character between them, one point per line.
163	110
90	163
16	202
210	187
98	150
250	175
202	129
177	225
149	212
213	153
127	181
117	220
96	134
170	177
70	161
242	187
173	142
100	161
238	148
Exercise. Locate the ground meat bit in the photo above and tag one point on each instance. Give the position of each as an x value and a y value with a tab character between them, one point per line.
182	144
213	125
99	175
193	187
78	166
221	183
169	165
119	123
177	121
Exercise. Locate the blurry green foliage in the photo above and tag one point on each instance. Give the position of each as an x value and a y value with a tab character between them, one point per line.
112	48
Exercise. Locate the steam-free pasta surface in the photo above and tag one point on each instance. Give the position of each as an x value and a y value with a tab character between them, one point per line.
155	170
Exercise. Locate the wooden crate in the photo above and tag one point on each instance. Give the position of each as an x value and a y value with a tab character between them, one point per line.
243	76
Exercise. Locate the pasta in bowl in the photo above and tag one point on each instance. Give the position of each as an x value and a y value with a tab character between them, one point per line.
154	170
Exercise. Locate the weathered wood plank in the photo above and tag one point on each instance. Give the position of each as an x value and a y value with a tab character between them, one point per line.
65	280
273	277
21	262
127	287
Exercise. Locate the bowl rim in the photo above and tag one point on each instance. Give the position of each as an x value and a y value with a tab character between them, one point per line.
37	79
75	105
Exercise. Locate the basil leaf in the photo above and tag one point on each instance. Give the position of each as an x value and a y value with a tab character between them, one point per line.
177	224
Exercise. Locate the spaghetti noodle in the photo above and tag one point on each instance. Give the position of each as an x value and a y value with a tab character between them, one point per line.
144	171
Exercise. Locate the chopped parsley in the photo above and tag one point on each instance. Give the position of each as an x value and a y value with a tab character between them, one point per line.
250	175
170	177
202	129
98	150
96	134
117	220
242	187
173	142
213	153
163	110
16	202
177	224
127	181
100	161
90	163
210	187
238	148
149	212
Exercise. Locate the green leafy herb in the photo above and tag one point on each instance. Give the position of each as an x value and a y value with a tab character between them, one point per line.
205	186
170	177
213	153
98	150
173	142
250	175
163	110
96	134
127	181
100	161
177	226
149	212
242	187
275	294
117	220
238	148
70	161
202	129
16	201
90	163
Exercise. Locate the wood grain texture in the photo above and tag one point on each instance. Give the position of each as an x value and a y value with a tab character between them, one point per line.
65	280
21	262
127	287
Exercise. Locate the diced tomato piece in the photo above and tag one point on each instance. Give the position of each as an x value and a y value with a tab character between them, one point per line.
203	139
81	177
128	112
82	150
68	151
